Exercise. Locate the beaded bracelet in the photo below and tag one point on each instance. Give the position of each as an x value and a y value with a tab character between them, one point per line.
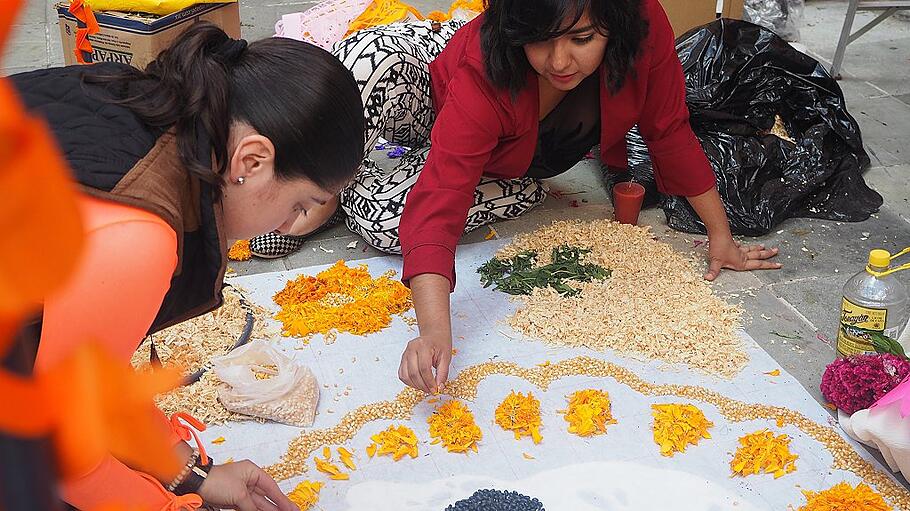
185	472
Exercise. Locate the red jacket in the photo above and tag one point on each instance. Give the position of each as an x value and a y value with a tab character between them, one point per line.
480	130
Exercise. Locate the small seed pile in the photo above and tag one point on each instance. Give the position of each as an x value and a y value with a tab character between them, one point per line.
677	426
191	345
452	425
763	451
293	462
497	500
306	494
520	414
240	251
588	412
297	407
655	305
394	442
265	372
843	497
340	299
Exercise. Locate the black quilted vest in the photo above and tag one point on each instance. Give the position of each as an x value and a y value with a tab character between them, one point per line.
117	157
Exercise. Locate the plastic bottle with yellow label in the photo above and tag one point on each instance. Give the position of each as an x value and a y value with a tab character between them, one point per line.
875	304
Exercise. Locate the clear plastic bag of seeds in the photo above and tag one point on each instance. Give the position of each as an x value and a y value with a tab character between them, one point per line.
261	381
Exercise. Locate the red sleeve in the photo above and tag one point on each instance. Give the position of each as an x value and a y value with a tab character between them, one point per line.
680	164
465	133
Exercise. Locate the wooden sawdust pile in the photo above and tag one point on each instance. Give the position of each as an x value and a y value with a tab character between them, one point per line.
192	344
655	305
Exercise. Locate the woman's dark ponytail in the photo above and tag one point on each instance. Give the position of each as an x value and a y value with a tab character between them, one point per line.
294	93
191	92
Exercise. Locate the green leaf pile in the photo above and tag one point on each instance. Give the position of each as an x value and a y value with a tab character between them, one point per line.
519	275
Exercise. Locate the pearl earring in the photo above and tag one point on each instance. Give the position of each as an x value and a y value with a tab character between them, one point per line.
240	180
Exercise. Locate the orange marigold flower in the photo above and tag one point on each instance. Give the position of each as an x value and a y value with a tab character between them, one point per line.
394	442
842	496
588	412
240	251
452	425
340	299
762	451
676	426
306	494
521	415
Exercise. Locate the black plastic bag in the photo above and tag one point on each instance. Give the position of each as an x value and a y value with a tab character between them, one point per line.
739	78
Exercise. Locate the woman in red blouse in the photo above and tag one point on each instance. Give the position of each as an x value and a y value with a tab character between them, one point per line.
525	91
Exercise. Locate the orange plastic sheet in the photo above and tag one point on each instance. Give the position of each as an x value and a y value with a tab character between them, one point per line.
90	404
87	26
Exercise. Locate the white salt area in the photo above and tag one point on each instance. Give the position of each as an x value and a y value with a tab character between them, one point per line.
601	486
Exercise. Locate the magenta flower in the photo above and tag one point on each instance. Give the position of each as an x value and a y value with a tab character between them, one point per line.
856	383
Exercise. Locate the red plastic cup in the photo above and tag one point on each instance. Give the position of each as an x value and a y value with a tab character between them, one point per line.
627	199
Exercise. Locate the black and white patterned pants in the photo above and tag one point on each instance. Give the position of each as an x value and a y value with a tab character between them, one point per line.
391	66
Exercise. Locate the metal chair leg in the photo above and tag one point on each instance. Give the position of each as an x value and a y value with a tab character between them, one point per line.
844	39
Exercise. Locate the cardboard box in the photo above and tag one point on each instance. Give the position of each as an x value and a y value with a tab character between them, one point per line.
687	14
136	39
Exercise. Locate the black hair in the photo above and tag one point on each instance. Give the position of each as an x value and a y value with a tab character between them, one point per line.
296	94
510	24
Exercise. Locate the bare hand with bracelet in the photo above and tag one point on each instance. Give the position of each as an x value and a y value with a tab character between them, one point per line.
245	487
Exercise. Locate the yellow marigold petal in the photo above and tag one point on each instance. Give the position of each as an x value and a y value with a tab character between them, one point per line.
340	299
395	442
219	440
520	414
341	476
842	496
528	456
348	461
326	453
305	495
775	372
588	412
763	452
676	426
240	251
452	425
326	467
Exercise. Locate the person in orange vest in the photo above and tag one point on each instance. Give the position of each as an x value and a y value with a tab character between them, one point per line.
216	140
